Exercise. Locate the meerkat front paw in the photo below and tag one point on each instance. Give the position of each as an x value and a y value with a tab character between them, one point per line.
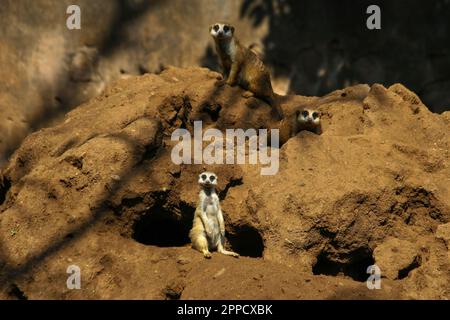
207	255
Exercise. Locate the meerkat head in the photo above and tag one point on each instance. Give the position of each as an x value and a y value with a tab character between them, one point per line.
309	117
207	179
221	30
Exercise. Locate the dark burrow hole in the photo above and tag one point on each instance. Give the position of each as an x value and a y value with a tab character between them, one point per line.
356	268
212	110
69	236
15	293
172	295
5	185
246	241
405	272
159	227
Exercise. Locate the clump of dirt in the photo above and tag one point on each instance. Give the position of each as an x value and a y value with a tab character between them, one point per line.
100	191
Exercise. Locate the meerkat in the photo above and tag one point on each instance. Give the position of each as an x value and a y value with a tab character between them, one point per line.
208	228
301	119
309	120
241	66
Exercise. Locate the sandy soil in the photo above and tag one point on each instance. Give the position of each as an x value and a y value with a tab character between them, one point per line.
99	190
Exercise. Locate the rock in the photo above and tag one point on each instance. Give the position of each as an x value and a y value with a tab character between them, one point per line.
396	258
219	273
174	290
115	177
183	260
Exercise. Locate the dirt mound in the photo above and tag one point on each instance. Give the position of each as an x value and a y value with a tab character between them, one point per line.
48	69
100	191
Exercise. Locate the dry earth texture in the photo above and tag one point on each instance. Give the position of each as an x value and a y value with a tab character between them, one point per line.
99	190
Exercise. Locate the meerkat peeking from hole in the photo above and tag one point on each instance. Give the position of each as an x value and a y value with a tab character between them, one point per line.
241	66
309	120
208	229
301	119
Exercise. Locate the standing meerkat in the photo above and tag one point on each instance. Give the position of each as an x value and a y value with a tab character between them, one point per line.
241	66
208	229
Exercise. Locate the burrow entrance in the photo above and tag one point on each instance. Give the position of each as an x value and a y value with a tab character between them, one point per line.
167	224
356	267
5	185
161	227
247	241
16	293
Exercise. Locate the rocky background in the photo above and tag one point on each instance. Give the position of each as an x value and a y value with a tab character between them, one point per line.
97	187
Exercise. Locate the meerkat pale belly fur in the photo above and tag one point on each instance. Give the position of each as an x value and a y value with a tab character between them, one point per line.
208	228
241	66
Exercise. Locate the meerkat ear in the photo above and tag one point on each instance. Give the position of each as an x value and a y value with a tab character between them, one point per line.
232	29
210	28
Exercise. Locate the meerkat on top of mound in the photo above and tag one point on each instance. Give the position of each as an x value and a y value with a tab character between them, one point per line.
241	66
208	229
301	119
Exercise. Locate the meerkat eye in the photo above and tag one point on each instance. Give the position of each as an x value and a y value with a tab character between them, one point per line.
305	113
212	178
204	177
315	115
226	29
216	27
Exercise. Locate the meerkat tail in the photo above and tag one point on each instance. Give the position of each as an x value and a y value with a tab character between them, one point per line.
200	243
222	250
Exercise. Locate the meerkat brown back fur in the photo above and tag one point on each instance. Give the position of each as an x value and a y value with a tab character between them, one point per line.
208	228
241	66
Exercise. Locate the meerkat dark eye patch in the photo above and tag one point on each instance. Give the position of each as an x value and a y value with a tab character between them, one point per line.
315	115
226	28
204	176
216	27
305	113
212	178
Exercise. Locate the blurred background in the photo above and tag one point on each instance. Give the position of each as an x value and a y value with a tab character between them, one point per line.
312	48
